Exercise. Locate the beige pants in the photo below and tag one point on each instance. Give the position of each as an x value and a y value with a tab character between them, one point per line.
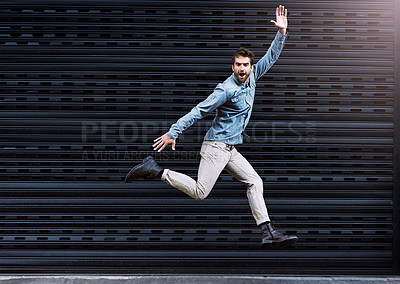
216	156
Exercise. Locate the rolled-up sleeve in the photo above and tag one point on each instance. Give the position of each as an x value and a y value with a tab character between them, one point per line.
266	62
213	101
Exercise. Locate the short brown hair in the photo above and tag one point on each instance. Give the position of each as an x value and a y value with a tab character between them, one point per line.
243	52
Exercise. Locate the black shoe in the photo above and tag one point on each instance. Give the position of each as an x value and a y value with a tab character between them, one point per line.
271	237
147	168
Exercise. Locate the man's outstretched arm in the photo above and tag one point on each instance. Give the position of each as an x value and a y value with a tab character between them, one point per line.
217	98
266	62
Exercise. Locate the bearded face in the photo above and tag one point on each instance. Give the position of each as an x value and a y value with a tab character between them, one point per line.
242	68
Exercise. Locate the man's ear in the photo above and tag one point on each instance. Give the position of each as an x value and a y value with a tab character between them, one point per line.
233	69
252	66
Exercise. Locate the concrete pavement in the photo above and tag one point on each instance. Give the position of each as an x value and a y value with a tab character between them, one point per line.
203	279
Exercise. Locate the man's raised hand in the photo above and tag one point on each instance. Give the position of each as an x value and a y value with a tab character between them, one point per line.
162	142
281	19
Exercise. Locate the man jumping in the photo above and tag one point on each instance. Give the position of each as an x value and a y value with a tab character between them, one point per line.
233	101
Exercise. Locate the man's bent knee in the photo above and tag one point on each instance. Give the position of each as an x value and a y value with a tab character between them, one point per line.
200	196
201	192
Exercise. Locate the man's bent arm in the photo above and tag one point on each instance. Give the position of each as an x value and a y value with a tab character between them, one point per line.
213	101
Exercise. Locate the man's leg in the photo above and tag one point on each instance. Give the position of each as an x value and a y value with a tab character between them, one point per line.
241	169
214	157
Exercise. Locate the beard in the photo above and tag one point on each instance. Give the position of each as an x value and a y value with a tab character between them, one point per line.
242	77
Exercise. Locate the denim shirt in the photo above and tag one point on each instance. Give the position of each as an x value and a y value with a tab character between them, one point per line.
232	100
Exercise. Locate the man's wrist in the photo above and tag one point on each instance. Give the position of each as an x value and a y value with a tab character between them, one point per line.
282	31
171	135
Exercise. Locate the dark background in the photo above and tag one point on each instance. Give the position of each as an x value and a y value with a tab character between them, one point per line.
87	85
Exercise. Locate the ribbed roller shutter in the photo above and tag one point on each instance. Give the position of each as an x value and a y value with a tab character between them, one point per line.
87	85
